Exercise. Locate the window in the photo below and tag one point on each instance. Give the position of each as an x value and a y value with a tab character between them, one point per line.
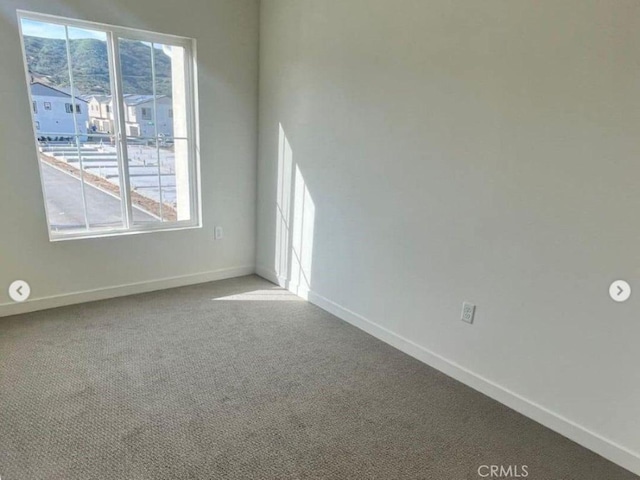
123	178
35	107
37	125
68	107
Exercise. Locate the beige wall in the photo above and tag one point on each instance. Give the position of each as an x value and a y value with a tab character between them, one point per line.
418	153
227	41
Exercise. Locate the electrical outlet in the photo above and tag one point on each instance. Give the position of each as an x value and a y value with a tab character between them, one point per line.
468	312
218	233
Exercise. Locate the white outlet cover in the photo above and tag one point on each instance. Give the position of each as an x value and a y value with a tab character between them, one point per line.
468	312
218	233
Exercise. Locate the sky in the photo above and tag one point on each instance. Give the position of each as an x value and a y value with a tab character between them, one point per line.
50	30
32	28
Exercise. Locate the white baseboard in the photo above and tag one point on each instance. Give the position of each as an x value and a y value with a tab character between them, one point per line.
299	289
122	290
579	434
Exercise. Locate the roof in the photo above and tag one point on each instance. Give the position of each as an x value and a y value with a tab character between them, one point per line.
98	98
130	99
133	100
39	89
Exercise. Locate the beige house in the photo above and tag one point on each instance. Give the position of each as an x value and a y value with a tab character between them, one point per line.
139	115
101	114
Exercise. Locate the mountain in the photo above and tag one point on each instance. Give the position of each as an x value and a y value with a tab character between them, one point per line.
47	57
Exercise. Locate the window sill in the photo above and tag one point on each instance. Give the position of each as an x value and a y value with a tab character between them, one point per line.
96	234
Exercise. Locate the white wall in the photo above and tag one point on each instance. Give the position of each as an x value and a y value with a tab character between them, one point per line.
430	152
227	36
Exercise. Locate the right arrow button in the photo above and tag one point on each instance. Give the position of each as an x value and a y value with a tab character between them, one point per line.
620	291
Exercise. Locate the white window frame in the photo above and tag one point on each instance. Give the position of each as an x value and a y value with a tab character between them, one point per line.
113	33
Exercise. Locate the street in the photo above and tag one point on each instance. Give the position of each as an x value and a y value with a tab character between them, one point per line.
65	206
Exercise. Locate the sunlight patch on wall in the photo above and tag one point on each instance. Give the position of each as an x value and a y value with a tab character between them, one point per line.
304	212
295	219
285	160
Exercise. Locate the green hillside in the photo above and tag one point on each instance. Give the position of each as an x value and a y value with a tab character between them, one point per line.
48	58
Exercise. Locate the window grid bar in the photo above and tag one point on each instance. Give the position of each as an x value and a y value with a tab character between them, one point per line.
155	124
158	137
75	128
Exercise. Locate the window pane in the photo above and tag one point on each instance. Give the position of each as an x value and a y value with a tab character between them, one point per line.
137	86
144	178
91	80
151	122
62	188
154	173
135	64
177	161
46	58
99	173
100	166
82	191
169	65
171	85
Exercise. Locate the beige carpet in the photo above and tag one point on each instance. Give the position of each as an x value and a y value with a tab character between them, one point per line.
241	380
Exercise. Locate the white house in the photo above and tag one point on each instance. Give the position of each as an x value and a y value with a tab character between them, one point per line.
139	115
53	112
140	118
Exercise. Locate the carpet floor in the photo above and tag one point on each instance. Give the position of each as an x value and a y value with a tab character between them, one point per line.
239	379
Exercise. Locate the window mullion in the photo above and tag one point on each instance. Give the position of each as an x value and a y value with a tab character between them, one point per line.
119	124
75	129
192	133
155	124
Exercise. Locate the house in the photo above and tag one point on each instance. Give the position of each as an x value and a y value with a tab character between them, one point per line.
53	113
139	115
100	113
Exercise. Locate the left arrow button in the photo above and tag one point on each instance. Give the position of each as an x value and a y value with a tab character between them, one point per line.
19	291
